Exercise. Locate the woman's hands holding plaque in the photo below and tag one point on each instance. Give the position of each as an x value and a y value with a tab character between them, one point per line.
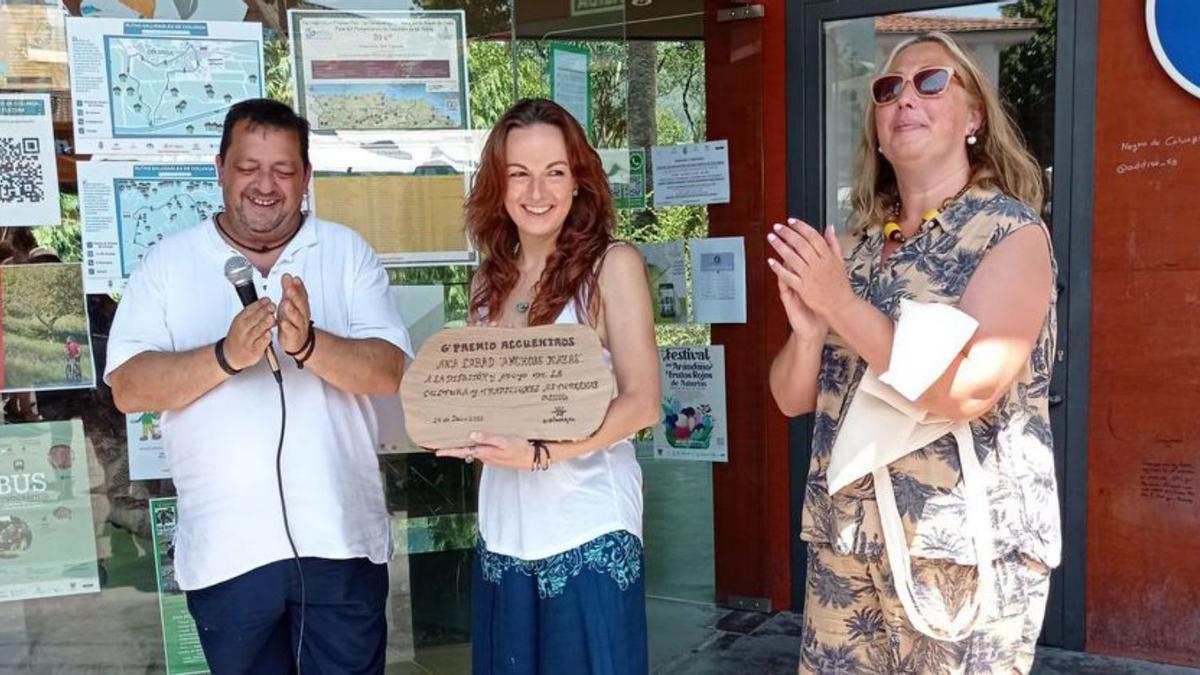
495	450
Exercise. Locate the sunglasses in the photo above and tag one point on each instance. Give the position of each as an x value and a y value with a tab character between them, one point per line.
927	83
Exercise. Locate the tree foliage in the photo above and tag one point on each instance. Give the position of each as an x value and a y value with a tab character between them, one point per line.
65	239
1027	77
45	292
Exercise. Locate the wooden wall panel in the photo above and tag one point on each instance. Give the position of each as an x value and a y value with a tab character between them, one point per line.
744	70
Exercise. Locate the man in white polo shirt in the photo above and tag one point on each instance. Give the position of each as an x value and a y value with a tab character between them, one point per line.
182	343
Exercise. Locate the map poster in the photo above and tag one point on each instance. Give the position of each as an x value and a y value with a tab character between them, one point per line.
47	536
694	425
126	208
380	71
29	175
164	9
159	87
181	640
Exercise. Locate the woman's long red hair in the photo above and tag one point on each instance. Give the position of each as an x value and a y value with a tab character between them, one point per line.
572	270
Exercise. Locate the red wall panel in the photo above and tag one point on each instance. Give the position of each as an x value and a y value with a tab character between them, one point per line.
1143	579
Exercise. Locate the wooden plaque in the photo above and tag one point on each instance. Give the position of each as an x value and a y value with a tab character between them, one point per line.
546	382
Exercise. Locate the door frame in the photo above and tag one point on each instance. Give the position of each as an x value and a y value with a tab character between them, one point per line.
1074	132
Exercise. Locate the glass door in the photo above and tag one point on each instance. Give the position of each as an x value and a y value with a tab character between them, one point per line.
1015	43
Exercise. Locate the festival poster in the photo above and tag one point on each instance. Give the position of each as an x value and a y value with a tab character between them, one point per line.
694	425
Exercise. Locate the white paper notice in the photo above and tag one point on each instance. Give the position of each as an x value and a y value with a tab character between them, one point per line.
159	87
29	175
147	453
569	84
691	174
423	310
719	280
694	425
126	208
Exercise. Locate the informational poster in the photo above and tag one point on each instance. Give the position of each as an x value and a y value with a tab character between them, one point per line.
696	173
159	87
47	537
348	5
373	70
28	173
406	218
127	208
33	47
718	280
423	310
147	453
626	171
666	270
570	83
403	192
195	10
694	425
44	331
181	640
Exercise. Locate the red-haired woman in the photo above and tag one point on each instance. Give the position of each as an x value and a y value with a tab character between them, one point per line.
559	585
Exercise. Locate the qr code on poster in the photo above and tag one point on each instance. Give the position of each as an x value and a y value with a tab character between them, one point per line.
21	178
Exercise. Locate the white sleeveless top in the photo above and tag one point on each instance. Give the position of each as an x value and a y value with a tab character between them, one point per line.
533	515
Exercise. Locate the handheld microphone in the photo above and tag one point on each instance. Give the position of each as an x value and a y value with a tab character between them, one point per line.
239	273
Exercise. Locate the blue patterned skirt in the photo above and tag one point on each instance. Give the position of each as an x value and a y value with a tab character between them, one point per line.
582	612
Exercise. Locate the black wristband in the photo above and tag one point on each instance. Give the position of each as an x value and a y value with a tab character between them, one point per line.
219	348
306	351
541	456
307	341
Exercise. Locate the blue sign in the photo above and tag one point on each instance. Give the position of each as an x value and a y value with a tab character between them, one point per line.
1172	26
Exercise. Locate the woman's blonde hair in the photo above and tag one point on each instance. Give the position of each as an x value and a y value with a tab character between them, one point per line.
999	160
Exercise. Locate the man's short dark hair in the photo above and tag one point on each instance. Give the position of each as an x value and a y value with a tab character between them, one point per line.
268	113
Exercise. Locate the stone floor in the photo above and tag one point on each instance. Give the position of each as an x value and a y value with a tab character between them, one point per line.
744	643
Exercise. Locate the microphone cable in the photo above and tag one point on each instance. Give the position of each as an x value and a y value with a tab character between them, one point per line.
283	507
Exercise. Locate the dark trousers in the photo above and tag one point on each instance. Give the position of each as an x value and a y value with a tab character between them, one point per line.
251	623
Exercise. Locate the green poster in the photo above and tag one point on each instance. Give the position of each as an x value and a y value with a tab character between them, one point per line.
180	639
632	193
47	537
570	82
